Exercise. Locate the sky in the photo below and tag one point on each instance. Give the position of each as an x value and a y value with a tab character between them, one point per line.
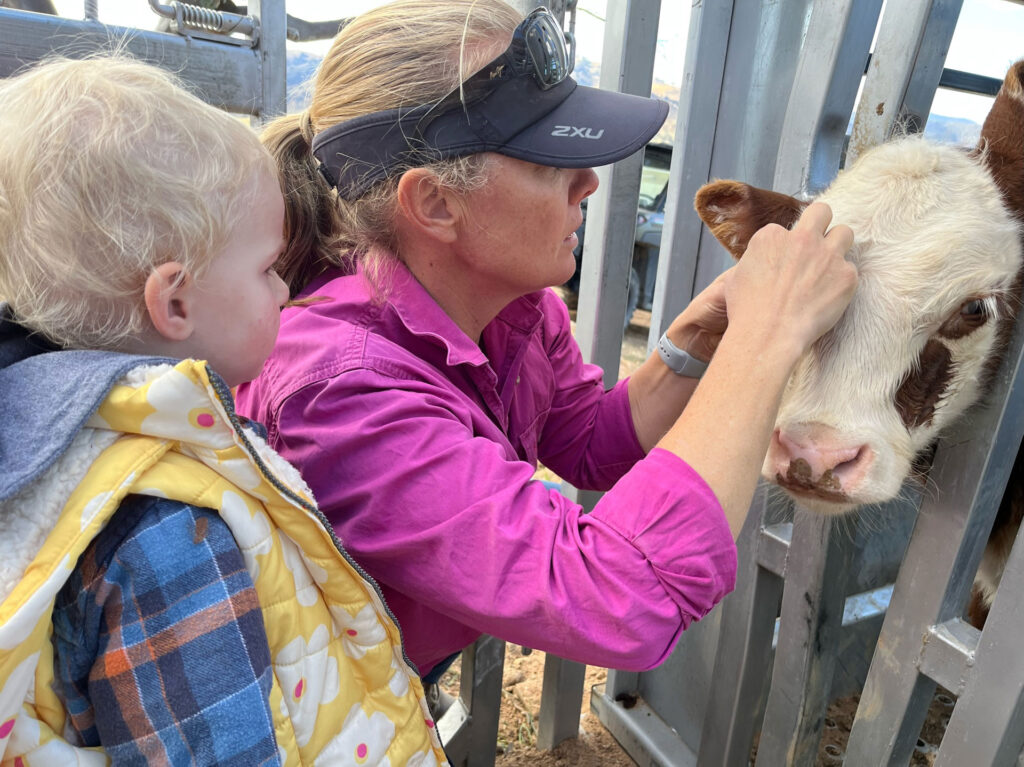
989	37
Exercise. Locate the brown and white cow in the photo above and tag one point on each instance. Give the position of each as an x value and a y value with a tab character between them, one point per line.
939	252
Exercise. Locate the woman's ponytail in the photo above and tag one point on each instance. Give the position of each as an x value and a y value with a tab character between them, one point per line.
310	205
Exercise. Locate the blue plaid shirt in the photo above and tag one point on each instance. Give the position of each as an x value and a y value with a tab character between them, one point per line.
161	656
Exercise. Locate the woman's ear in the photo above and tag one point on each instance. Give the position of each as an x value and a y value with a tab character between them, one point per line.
168	295
427	206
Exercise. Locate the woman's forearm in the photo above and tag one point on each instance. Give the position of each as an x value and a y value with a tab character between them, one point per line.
656	398
724	431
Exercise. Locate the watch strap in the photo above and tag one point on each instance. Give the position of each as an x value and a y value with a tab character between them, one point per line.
678	361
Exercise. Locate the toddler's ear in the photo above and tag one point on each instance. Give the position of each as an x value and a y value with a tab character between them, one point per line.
168	294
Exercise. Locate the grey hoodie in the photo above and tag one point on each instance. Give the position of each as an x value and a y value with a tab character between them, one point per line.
46	395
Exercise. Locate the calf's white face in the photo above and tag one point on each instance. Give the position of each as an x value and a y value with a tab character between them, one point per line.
938	251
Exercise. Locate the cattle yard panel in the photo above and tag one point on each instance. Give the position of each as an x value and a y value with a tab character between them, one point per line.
794	560
719	131
923	639
815	589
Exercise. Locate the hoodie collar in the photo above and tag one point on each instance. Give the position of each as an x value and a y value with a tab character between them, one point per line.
46	396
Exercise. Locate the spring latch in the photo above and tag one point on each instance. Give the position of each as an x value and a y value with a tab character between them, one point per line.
194	20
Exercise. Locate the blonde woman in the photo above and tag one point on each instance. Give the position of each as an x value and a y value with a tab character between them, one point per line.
433	191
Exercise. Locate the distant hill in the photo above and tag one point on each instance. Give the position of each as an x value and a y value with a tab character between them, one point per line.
302	67
952	130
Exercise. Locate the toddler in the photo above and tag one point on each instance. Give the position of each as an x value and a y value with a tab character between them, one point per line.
169	591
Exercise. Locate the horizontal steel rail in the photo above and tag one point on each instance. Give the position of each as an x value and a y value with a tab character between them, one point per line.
226	76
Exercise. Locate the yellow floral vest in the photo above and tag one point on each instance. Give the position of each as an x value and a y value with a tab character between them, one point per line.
343	692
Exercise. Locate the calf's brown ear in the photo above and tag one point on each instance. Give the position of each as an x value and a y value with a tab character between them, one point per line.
733	211
1002	138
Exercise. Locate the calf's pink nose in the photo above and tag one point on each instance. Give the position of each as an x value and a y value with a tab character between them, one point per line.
816	457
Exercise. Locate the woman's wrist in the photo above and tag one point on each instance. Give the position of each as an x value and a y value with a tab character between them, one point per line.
680	361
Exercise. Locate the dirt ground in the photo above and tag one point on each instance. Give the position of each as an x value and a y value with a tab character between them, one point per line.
520	709
595	746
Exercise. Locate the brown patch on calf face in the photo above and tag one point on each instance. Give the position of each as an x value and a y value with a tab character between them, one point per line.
923	388
733	211
799	480
1002	138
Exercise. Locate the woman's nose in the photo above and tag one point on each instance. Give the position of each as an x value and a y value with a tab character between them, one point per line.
584	185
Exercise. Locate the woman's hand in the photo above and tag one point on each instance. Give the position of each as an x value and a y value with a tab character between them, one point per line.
789	288
792	286
699	328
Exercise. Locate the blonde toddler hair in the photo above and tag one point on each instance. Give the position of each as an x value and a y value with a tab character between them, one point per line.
403	54
108	168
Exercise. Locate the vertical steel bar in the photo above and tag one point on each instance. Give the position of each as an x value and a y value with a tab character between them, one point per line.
743	662
627	65
812	612
469	729
272	54
904	70
631	31
699	99
824	91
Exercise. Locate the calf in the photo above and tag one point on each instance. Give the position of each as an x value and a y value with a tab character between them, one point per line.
939	252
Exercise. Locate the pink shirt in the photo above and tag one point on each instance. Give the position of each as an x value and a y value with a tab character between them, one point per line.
420	447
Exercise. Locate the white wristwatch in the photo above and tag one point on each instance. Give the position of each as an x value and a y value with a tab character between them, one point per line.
678	361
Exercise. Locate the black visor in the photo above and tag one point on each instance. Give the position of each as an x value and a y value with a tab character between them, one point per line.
523	105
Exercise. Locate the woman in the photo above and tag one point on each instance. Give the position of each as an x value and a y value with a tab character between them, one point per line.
434	189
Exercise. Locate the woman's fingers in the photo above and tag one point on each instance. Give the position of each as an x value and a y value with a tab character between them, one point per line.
841	237
816	217
798	280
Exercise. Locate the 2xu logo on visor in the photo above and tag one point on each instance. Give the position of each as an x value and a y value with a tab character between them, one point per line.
571	131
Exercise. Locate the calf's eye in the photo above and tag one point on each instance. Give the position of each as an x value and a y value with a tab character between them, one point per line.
972	314
973	308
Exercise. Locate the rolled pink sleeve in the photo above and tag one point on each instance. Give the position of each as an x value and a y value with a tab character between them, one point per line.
675	520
